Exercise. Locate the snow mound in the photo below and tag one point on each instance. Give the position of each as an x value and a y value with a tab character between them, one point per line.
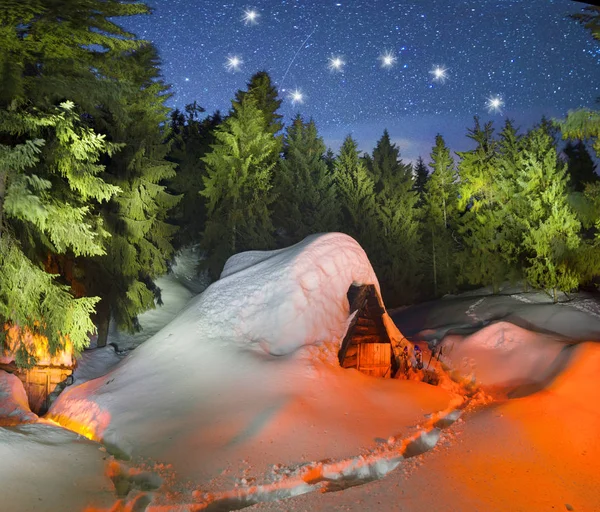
281	300
14	407
45	468
503	354
206	393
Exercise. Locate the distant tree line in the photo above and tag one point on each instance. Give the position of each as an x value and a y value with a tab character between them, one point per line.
100	184
511	209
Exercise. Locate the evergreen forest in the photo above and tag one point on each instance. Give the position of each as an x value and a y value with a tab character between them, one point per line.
101	182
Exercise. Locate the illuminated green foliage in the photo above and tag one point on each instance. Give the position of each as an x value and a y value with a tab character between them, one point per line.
238	187
306	200
51	52
439	218
356	195
50	180
551	234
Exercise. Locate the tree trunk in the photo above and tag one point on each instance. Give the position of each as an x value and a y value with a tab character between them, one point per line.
102	322
434	264
554	295
3	178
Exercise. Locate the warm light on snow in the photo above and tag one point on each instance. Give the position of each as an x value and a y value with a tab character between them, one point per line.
240	399
37	345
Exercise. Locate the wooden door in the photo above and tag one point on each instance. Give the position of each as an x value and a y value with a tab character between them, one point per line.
375	359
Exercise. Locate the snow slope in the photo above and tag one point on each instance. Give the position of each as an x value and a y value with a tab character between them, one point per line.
247	375
530	454
239	400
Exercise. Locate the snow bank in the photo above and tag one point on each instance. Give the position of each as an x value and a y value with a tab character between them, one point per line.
291	297
14	407
207	394
44	468
503	354
176	289
535	453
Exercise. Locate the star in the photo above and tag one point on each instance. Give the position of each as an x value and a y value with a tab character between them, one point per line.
440	74
494	104
296	96
336	64
250	17
388	59
233	63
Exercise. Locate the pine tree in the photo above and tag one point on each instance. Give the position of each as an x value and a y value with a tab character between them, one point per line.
140	246
191	138
584	125
50	180
356	195
440	212
581	168
421	176
267	100
238	186
387	169
395	250
552	229
481	261
81	54
305	189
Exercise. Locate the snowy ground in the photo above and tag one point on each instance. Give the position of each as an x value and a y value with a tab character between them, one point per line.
238	401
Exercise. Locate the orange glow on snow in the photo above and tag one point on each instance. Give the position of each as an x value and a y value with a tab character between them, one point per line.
84	417
37	345
538	452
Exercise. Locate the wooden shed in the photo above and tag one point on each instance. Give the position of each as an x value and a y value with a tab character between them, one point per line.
367	345
50	370
39	382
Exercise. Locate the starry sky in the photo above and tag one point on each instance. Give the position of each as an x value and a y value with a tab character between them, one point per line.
497	59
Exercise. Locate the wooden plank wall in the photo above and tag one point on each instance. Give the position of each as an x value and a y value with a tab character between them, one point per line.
39	382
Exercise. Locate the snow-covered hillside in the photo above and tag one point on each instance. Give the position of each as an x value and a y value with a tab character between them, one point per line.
239	401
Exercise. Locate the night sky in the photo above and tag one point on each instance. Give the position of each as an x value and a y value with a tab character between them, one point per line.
525	54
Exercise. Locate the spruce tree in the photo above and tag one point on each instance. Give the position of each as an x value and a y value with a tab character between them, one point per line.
440	217
50	180
81	54
305	189
552	229
387	169
396	248
580	166
191	138
481	261
266	98
356	195
140	246
238	187
421	176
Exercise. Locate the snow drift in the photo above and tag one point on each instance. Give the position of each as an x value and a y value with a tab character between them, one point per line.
247	374
14	407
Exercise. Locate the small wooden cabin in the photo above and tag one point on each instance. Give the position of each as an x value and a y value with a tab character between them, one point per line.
39	382
50	370
367	345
